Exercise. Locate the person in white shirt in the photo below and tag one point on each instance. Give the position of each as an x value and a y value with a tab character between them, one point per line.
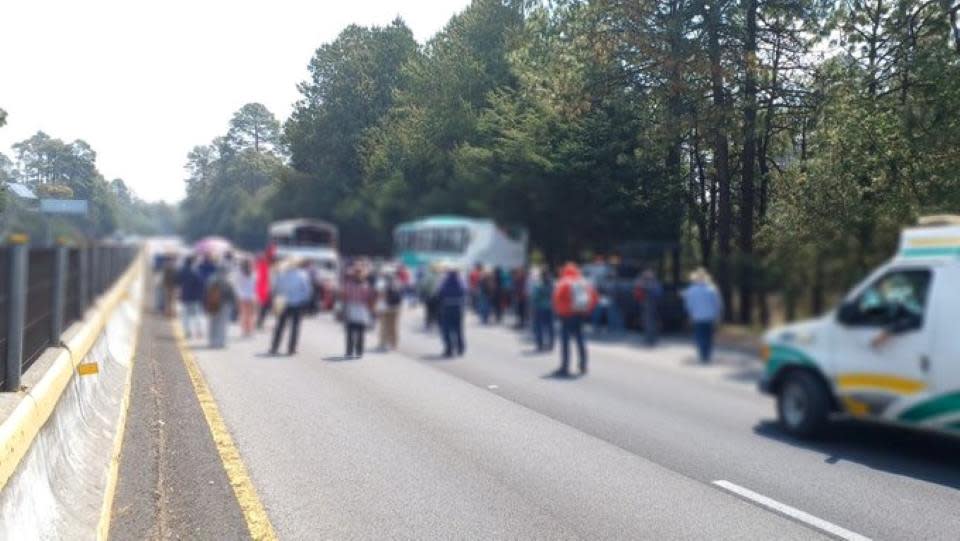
244	283
705	308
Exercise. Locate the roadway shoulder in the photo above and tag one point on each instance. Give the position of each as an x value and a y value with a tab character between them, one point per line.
172	483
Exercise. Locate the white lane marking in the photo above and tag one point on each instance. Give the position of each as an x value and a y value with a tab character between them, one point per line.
493	387
791	512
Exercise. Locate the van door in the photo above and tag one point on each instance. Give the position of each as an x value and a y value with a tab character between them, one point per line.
942	410
883	342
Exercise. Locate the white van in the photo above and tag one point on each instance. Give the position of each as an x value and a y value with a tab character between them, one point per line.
890	352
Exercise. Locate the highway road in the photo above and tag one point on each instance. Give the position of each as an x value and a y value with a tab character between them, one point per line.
649	445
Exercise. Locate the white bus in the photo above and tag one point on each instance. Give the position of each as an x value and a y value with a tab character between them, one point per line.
459	241
313	240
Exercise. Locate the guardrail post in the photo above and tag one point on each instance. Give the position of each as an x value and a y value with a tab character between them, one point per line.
84	279
59	291
17	305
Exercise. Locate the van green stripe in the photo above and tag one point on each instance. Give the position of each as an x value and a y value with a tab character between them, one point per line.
931	252
781	356
940	405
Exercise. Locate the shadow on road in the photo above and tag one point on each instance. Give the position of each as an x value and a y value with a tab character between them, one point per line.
920	455
561	377
436	358
340	359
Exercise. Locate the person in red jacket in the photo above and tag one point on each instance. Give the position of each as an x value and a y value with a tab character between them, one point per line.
262	272
574	298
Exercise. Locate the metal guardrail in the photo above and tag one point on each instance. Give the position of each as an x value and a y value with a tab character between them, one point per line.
43	291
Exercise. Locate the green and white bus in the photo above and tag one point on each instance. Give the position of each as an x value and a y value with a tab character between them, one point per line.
459	241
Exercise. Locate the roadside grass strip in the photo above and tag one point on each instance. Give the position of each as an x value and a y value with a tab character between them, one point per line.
791	512
258	522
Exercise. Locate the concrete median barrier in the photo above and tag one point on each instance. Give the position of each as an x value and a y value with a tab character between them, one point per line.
60	436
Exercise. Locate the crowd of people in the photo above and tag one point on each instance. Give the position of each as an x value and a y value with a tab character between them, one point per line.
214	290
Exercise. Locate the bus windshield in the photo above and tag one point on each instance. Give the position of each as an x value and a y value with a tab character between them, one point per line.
305	235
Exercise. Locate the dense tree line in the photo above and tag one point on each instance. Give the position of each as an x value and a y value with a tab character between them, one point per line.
783	143
53	168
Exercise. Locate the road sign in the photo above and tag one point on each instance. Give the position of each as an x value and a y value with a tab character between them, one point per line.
63	206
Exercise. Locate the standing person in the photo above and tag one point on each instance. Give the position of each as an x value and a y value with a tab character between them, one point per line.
357	300
218	300
473	282
520	296
392	299
207	268
428	286
704	306
264	296
159	293
573	299
486	296
169	284
648	292
245	286
542	300
293	290
191	297
451	297
499	292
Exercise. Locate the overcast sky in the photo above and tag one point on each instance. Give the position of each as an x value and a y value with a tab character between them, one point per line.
143	82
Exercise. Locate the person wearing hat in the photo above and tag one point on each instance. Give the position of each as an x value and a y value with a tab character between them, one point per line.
357	301
293	291
573	299
704	306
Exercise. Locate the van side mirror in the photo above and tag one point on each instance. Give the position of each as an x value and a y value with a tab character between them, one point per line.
847	313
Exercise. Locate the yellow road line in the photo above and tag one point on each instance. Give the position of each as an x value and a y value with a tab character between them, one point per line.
258	522
884	382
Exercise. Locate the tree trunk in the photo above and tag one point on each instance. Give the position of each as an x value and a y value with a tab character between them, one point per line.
748	160
816	292
721	153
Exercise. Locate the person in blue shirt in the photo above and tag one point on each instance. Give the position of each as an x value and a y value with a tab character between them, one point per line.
191	286
705	308
294	288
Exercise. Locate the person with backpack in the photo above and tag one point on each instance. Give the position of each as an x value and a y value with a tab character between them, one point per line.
390	314
218	300
574	298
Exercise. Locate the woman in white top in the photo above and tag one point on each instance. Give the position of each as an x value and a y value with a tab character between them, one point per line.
245	287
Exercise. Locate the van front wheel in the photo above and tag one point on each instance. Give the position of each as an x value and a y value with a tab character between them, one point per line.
802	404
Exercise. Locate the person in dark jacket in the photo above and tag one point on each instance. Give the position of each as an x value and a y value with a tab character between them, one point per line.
191	286
542	299
499	294
451	297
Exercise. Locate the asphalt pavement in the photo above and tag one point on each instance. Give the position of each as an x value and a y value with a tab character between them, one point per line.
171	482
649	445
